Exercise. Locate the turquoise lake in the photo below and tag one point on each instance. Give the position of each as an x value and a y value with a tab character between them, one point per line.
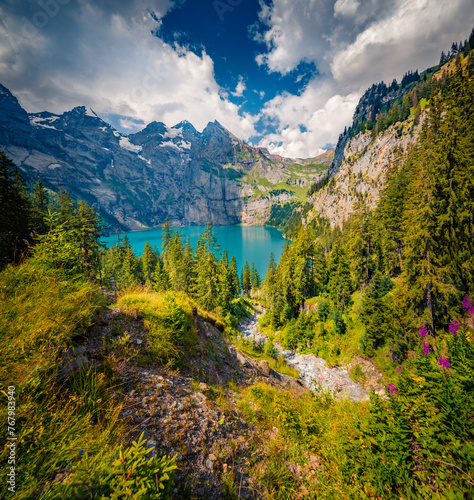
246	243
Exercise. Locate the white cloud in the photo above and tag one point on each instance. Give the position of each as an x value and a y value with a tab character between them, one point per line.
346	7
411	37
113	63
239	90
353	44
309	121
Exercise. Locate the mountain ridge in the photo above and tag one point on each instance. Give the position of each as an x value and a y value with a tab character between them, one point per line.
138	180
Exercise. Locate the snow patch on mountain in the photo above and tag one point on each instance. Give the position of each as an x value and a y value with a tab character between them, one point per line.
171	133
41	121
169	144
90	113
144	159
126	144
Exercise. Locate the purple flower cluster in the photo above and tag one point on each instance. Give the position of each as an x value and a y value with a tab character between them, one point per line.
392	389
468	304
426	348
398	369
443	362
422	332
454	327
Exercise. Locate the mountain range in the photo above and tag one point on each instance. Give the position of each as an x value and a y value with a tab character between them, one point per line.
137	181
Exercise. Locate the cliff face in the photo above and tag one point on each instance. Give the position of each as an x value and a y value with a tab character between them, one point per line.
359	169
139	180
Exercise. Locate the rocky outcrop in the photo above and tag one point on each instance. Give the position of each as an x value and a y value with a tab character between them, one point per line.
313	370
137	181
359	170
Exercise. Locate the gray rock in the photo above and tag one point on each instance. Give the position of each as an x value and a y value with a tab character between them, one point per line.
265	367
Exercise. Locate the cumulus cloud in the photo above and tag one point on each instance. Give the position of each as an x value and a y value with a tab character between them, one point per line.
106	55
309	121
239	90
353	43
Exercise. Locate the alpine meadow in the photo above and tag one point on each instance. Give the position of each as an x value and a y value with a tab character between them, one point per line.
345	370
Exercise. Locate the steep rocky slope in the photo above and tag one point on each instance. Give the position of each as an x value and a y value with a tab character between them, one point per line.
139	180
359	170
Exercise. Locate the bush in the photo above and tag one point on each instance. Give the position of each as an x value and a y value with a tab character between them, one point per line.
270	349
419	441
323	310
339	323
119	474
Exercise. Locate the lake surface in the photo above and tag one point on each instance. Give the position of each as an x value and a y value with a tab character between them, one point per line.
246	243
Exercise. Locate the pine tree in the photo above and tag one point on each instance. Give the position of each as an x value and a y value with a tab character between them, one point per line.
254	278
246	279
234	278
340	282
87	226
188	267
175	264
149	261
166	236
205	289
319	267
66	207
39	201
224	291
302	252
424	267
375	313
15	210
361	244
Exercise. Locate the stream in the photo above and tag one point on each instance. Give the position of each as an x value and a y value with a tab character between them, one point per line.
310	367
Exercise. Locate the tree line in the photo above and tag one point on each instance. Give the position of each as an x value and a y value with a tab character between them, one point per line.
51	226
420	235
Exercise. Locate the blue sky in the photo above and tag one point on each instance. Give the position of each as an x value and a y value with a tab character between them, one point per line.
284	74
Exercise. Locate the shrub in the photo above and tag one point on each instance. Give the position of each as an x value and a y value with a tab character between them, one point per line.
119	473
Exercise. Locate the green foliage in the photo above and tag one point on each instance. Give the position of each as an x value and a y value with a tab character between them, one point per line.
339	323
286	217
15	208
168	320
299	332
42	312
375	313
418	442
340	281
323	310
270	349
119	473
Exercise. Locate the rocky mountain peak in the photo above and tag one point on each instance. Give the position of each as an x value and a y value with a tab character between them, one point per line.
186	126
84	111
10	105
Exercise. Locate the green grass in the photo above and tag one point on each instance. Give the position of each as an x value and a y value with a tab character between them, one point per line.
279	365
168	319
295	428
57	422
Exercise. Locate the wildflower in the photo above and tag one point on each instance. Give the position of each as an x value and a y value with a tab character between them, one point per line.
80	452
467	304
392	389
426	348
454	327
422	332
11	319
443	362
398	369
